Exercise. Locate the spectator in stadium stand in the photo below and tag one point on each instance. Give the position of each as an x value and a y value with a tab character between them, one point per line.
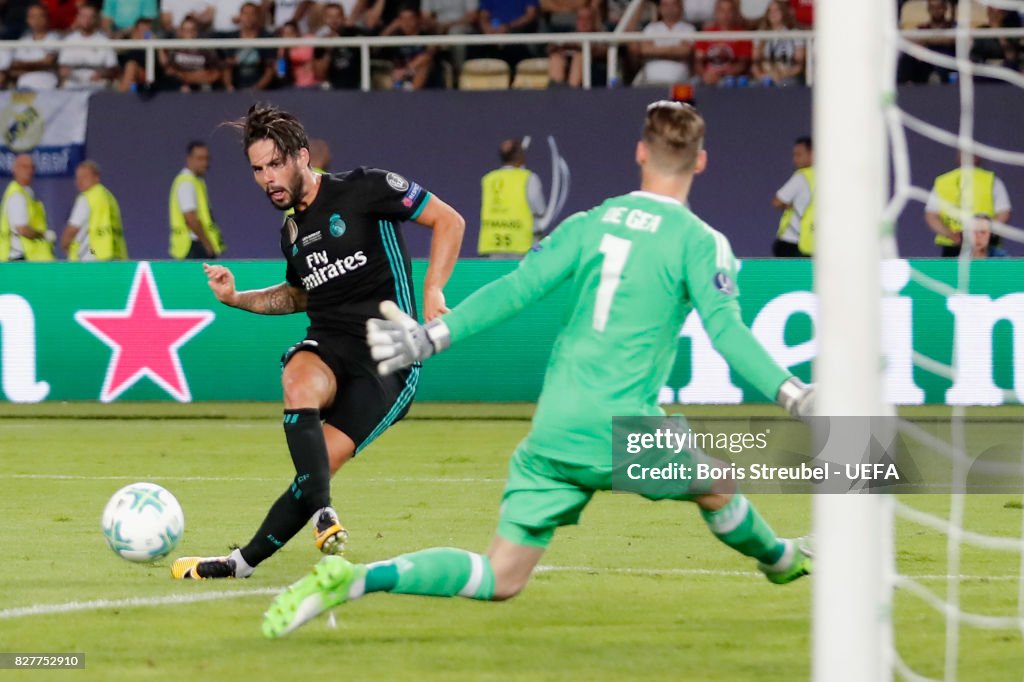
14	14
299	63
699	12
338	66
249	68
1001	51
450	17
559	16
23	231
5	64
667	56
803	12
119	16
753	11
173	12
990	200
299	11
779	61
188	69
87	68
133	62
911	70
35	68
225	16
62	13
413	67
379	14
499	17
724	62
512	199
565	60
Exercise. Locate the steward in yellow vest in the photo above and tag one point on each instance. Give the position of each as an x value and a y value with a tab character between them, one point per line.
987	199
23	231
506	214
795	236
194	234
94	230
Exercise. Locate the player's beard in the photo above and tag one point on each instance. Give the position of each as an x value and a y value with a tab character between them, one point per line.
293	193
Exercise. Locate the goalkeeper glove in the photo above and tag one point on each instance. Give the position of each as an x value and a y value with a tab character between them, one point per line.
797	397
398	341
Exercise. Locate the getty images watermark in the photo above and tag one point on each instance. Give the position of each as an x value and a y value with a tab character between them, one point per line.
671	456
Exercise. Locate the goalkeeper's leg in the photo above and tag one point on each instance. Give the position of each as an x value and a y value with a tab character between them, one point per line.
735	521
439	572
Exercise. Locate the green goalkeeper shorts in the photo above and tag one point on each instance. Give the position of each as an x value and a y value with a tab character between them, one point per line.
542	494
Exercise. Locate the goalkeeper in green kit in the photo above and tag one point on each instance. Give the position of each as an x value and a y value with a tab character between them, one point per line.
637	265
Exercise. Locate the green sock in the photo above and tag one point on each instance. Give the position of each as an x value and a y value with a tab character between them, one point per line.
738	525
438	572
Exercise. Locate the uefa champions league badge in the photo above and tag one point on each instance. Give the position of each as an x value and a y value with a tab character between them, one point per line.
724	284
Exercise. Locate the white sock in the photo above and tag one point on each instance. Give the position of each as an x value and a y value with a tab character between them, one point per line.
242	569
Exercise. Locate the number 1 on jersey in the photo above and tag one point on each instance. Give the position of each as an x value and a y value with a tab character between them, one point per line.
616	251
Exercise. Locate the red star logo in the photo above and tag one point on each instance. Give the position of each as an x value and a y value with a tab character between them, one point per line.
145	339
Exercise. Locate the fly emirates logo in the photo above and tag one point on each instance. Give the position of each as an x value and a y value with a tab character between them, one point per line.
322	270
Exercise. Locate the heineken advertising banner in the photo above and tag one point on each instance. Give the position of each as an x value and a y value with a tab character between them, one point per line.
153	331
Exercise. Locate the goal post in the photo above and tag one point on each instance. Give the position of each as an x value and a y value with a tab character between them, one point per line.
850	591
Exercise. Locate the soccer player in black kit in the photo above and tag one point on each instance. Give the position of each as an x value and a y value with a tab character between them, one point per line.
345	255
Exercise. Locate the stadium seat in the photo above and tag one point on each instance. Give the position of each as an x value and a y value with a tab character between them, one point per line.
380	74
485	74
531	74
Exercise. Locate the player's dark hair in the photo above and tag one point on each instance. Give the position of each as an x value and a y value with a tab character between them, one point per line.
511	150
194	145
805	140
267	122
674	135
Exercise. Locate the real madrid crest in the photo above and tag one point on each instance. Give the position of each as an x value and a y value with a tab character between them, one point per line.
293	229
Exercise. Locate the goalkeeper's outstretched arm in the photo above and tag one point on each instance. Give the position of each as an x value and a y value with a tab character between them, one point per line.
711	274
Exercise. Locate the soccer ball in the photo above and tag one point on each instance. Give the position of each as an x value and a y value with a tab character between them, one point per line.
143	522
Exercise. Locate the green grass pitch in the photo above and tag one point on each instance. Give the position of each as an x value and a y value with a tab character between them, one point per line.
639	590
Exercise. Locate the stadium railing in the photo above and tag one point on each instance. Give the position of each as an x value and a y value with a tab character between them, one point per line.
367	43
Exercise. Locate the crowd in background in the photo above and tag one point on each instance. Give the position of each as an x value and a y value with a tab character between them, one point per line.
675	53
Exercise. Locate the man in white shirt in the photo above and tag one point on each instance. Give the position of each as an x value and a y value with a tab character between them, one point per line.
87	67
666	58
23	224
35	68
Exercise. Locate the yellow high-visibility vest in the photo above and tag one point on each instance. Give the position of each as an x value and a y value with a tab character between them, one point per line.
181	235
506	222
805	242
35	249
106	234
948	188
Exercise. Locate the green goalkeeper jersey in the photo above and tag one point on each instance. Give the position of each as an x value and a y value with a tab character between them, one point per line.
638	264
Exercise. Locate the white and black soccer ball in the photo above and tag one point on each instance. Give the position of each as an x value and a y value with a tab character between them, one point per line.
143	522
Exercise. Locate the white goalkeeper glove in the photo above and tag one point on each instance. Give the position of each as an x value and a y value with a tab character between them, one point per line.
796	397
398	340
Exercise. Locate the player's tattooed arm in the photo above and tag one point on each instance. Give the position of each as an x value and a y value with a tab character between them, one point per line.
281	299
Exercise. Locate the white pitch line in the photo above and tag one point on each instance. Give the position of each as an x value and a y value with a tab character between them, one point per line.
131	602
177	599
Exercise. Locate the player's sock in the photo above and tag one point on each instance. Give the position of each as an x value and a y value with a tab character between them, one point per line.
305	436
437	572
738	525
286	517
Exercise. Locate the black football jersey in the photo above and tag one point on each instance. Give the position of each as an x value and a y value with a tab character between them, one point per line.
347	252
